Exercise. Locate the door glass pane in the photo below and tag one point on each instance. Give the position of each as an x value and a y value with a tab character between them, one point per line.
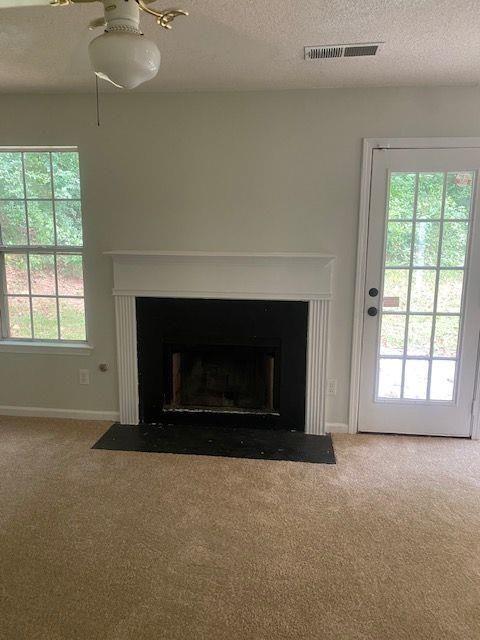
430	195
422	294
42	274
419	335
443	380
37	174
13	222
447	330
392	335
40	222
450	289
45	324
16	273
425	250
19	317
395	289
390	378
454	244
416	379
426	287
402	195
459	194
399	243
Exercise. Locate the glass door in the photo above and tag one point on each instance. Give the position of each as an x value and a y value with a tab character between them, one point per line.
419	318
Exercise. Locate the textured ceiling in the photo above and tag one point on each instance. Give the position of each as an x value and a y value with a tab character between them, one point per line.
255	44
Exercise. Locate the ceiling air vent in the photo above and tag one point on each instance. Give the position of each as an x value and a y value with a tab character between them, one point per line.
341	51
317	53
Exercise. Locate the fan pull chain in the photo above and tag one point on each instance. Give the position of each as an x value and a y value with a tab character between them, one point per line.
97	100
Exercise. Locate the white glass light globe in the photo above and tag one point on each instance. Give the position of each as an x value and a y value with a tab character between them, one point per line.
124	59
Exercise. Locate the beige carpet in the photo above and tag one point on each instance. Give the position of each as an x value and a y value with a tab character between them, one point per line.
114	546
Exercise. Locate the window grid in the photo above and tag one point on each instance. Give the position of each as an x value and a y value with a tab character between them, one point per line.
409	287
55	241
32	297
29	250
27	225
435	294
434	313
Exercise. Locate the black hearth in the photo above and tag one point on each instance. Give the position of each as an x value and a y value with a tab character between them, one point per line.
222	362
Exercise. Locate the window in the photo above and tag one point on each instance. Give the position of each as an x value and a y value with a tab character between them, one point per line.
41	246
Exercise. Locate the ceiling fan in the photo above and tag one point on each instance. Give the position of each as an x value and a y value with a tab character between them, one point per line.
121	54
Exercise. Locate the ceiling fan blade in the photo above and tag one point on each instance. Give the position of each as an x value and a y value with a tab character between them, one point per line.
9	4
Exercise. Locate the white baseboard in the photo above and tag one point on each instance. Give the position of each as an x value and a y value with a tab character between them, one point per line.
114	416
336	427
44	412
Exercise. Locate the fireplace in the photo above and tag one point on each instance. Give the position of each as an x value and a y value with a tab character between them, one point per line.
228	362
218	377
143	276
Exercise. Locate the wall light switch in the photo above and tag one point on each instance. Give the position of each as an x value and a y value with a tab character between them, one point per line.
84	376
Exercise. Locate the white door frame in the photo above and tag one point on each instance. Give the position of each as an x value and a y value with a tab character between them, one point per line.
369	144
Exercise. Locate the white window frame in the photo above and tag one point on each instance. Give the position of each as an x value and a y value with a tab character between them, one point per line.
35	345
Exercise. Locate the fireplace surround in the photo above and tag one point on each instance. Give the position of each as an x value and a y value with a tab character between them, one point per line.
266	277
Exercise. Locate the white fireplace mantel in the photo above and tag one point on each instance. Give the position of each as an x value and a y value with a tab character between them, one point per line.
223	275
264	276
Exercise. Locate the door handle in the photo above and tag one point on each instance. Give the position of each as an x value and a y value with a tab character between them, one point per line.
372	311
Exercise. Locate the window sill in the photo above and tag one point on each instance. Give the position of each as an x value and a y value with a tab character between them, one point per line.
20	346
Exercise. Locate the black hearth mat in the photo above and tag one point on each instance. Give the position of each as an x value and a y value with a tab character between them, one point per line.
230	442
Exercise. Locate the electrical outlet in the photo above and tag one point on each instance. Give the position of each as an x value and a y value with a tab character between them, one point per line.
331	387
84	376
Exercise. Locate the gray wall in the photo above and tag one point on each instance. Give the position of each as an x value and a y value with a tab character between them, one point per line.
270	171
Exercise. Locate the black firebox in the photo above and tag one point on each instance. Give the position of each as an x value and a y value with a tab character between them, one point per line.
222	362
